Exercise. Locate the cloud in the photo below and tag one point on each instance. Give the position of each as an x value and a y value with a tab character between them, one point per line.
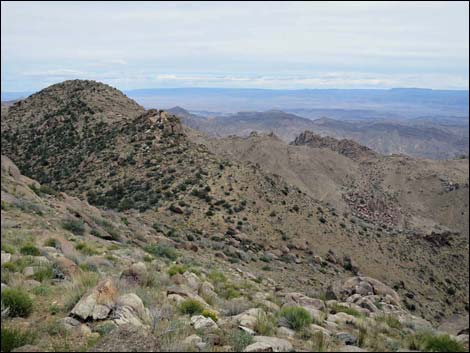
235	42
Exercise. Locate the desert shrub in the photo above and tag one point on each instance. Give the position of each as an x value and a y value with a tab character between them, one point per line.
344	309
162	251
43	273
108	227
17	301
391	321
46	189
265	324
53	309
105	328
211	314
175	269
41	290
8	248
75	226
28	206
217	277
191	307
226	289
88	267
319	343
234	307
86	249
295	317
52	242
30	249
239	340
13	338
428	342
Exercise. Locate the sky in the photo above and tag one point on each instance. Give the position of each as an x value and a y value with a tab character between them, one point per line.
278	45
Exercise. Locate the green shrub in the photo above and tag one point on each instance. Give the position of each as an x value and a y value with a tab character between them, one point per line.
52	242
105	328
295	317
217	277
230	292
17	301
13	338
8	248
428	342
46	189
43	273
87	267
239	340
211	314
191	307
30	249
265	324
173	270
86	249
53	309
162	251
75	226
41	290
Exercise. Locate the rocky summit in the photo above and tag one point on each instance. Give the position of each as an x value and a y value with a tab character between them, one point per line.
124	230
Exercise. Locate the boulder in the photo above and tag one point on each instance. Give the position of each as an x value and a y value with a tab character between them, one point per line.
346	338
65	266
342	319
28	271
363	286
274	343
69	323
259	347
31	283
248	318
206	290
200	322
192	281
5	257
269	305
185	292
285	332
316	328
97	303
192	342
304	301
176	299
130	310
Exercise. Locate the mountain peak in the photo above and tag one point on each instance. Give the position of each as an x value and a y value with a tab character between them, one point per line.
73	100
345	147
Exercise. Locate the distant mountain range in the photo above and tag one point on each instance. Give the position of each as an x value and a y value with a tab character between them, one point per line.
420	137
396	103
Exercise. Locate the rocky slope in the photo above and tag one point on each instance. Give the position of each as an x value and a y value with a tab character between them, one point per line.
156	190
347	148
88	283
397	191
